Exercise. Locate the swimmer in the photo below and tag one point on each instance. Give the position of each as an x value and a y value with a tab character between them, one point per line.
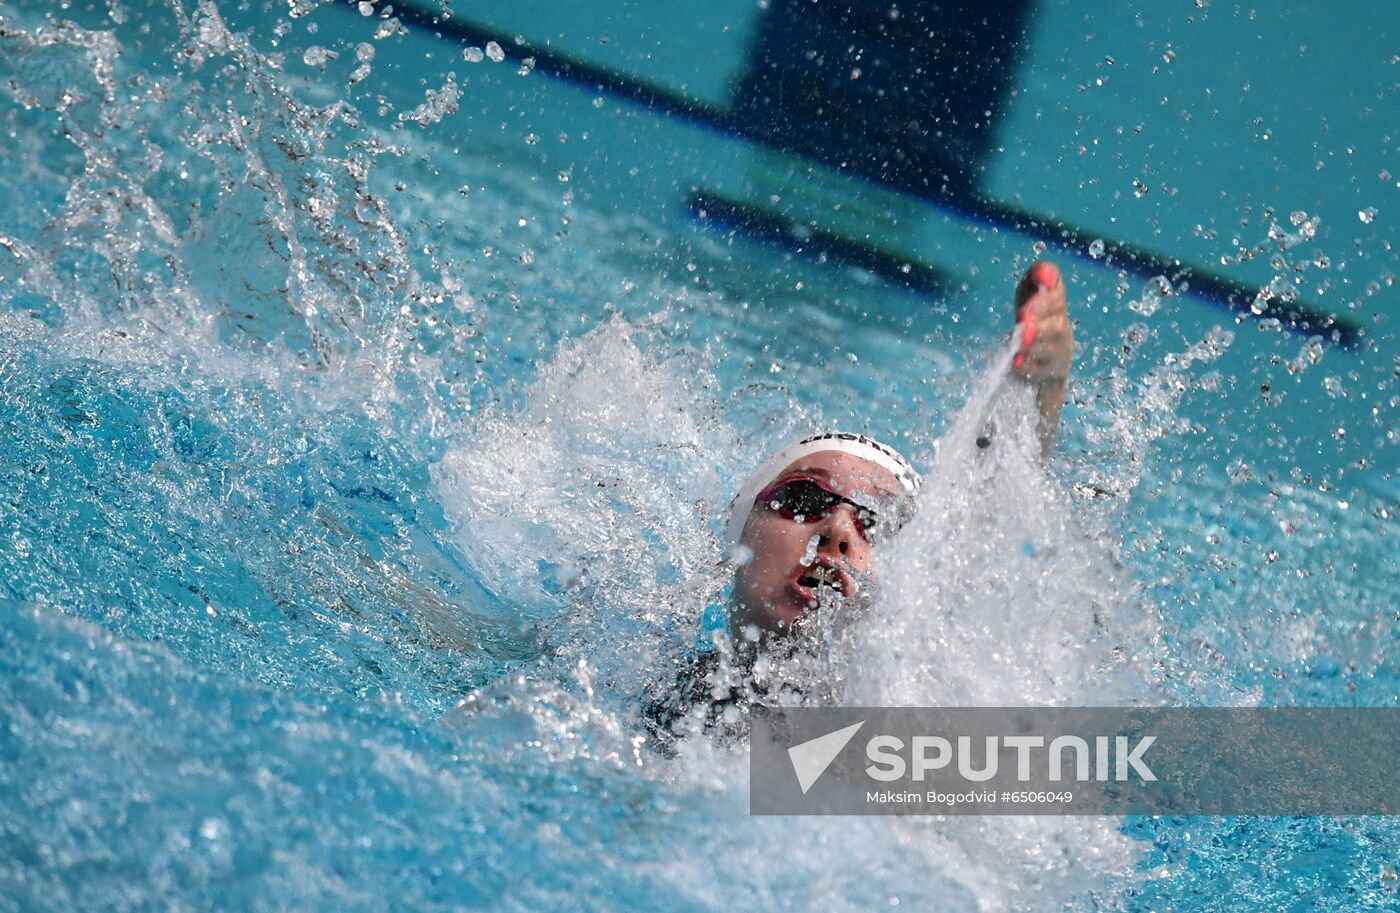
809	518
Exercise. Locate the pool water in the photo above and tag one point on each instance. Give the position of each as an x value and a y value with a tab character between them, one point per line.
367	438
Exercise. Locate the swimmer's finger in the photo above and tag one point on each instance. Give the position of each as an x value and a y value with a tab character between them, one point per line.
1048	357
1052	324
1044	306
1042	275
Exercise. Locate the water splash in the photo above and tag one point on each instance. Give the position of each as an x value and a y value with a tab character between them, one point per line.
995	551
298	460
595	500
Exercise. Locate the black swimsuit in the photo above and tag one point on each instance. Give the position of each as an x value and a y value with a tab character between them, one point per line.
707	681
715	691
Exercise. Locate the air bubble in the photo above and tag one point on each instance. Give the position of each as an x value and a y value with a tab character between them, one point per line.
1367	215
1096	248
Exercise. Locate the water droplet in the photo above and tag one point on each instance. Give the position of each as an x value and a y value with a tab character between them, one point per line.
366	8
1139	188
1367	215
1239	471
1096	248
493	50
1038	248
1154	293
317	56
437	104
473	55
390	26
1309	355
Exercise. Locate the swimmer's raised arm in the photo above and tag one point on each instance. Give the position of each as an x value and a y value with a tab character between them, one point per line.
1047	344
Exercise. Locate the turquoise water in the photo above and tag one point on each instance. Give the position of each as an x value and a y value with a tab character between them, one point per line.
364	462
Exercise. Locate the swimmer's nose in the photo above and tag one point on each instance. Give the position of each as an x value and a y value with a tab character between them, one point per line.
841	531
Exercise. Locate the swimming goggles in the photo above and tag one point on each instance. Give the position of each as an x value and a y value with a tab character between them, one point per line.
807	500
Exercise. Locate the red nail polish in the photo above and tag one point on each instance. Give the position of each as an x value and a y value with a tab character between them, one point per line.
1047	275
1028	334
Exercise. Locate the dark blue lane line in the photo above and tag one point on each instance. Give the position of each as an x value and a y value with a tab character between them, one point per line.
576	70
1300	317
713	209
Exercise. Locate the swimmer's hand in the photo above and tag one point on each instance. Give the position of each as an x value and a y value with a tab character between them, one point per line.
1047	344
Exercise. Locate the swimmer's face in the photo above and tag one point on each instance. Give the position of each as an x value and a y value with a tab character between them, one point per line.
790	574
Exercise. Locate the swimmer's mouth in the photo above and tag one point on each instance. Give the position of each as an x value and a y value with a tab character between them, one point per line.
809	583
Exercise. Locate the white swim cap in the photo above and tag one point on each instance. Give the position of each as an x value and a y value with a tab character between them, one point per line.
841	441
